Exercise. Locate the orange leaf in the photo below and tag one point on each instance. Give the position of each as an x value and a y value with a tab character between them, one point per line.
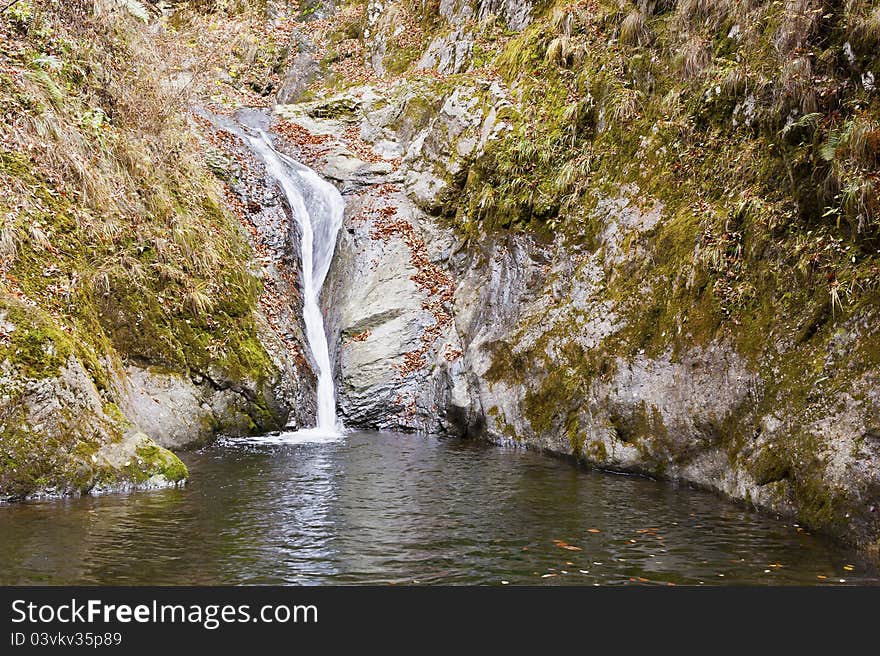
565	545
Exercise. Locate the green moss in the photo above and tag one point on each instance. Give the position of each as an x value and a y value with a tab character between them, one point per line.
596	452
115	414
769	466
821	504
642	426
741	209
576	437
400	59
506	365
419	109
13	164
547	406
154	460
338	108
36	348
33	459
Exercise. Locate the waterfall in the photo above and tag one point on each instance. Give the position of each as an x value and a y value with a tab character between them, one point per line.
317	207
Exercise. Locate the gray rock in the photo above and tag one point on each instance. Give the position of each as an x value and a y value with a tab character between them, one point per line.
520	308
59	436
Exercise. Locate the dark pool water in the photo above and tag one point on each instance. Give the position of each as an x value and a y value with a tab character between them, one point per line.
387	508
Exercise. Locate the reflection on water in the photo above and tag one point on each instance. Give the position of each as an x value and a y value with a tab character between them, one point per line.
387	508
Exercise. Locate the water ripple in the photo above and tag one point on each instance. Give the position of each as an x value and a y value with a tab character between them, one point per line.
386	508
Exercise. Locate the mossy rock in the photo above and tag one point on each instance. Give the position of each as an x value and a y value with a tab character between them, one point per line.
35	347
770	466
153	460
337	108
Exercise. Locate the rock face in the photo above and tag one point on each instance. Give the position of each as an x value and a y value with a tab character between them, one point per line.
181	413
59	436
288	399
511	338
387	301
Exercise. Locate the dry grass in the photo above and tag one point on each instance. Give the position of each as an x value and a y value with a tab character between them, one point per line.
860	202
8	241
795	89
122	199
561	20
695	57
558	51
700	11
863	24
198	301
621	104
736	81
634	29
799	21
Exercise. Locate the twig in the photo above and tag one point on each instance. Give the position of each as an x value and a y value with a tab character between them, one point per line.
9	5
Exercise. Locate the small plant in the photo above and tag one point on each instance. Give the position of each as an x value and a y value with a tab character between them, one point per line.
559	51
695	57
634	29
697	10
567	174
735	80
9	239
21	13
798	22
198	301
852	152
795	89
622	104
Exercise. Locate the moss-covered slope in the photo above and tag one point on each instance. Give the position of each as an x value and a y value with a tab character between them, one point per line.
682	198
116	245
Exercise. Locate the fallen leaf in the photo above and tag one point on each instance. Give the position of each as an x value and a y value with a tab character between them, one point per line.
565	545
593	530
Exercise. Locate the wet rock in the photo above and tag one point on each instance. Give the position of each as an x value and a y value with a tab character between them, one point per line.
60	436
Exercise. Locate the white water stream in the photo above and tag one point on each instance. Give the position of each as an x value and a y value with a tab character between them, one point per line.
317	207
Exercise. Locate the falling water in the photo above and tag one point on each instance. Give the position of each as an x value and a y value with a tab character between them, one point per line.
317	207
